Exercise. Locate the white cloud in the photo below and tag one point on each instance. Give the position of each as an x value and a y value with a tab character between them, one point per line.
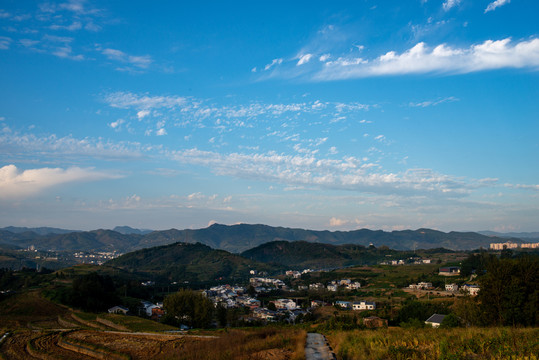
142	114
348	173
304	59
76	25
335	222
433	102
142	62
324	57
125	100
117	124
273	63
5	42
522	186
448	4
495	4
29	145
161	132
66	53
421	59
16	183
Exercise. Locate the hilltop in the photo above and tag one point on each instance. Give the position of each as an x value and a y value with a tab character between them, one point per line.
188	262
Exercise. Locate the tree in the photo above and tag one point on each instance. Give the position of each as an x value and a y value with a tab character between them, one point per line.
509	292
93	292
189	308
450	321
271	306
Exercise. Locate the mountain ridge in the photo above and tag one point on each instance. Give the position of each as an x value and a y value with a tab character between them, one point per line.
242	237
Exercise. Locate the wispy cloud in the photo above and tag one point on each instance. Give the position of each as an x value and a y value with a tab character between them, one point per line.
496	4
304	59
5	42
449	4
523	186
428	103
273	63
17	184
15	145
140	62
348	173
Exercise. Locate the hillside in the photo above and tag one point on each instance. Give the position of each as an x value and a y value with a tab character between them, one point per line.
189	262
304	254
238	238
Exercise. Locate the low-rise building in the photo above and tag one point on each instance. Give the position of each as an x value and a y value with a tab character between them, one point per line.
451	287
364	305
435	320
449	271
343	304
473	290
332	287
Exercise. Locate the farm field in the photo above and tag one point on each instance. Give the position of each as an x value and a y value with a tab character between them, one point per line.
456	343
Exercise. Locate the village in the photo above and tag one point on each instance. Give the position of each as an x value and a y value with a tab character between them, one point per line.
261	304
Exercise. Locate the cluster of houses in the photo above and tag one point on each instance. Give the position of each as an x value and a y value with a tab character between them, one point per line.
332	286
411	260
230	296
264	284
297	274
453	288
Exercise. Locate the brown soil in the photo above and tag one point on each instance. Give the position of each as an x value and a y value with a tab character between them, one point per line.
273	354
137	346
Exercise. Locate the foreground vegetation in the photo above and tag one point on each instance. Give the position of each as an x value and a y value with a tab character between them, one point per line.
457	343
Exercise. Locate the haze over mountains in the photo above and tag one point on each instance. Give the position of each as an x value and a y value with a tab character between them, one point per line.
239	238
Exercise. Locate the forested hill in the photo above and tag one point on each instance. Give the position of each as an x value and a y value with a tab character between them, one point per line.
189	262
239	238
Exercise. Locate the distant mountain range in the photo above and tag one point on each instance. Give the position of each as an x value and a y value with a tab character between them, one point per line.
239	238
527	236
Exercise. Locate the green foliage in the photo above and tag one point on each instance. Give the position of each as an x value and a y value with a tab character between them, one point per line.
188	262
421	310
509	292
450	321
189	308
93	292
476	262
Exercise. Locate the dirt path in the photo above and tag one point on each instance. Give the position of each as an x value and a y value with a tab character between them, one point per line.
317	348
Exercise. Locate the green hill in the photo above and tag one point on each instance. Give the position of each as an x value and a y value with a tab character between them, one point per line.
189	262
304	254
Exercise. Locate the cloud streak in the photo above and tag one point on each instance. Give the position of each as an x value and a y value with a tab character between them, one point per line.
422	59
496	4
348	173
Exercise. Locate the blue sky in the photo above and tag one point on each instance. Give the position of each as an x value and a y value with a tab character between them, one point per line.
360	114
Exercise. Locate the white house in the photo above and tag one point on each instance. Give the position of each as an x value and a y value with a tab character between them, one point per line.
451	287
344	304
473	290
332	287
364	305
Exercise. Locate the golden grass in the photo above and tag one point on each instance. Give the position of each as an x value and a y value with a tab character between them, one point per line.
249	345
444	344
